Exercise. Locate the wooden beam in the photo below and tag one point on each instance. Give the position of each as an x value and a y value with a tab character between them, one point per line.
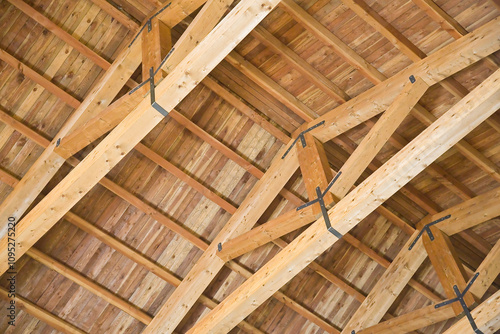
152	49
316	171
90	285
486	316
278	92
117	14
378	136
410	161
448	266
306	69
411	321
39	79
203	23
39	313
470	213
488	272
49	162
132	129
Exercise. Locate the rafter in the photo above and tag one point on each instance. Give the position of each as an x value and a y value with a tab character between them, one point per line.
90	285
39	313
429	145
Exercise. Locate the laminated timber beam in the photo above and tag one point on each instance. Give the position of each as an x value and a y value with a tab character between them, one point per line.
132	129
441	64
41	314
488	271
316	172
117	14
428	146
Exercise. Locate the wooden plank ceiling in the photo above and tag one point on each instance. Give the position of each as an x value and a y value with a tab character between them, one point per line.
106	247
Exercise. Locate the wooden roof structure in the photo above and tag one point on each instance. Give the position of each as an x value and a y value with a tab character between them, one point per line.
293	166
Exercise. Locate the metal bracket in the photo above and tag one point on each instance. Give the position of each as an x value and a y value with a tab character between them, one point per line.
428	230
321	202
460	298
412	79
148	23
151	81
219	247
301	137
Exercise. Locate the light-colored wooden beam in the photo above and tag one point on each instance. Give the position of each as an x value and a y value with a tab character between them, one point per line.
470	213
448	266
488	272
378	135
235	26
203	23
39	313
410	161
411	321
316	171
486	316
90	285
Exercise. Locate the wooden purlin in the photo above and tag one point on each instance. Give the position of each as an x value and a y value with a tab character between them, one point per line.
429	145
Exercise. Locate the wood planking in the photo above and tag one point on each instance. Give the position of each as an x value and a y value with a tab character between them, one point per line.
88	284
315	239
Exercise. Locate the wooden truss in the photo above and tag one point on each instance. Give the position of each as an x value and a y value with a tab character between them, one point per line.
341	203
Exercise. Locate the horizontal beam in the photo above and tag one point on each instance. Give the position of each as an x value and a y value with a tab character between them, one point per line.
41	314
